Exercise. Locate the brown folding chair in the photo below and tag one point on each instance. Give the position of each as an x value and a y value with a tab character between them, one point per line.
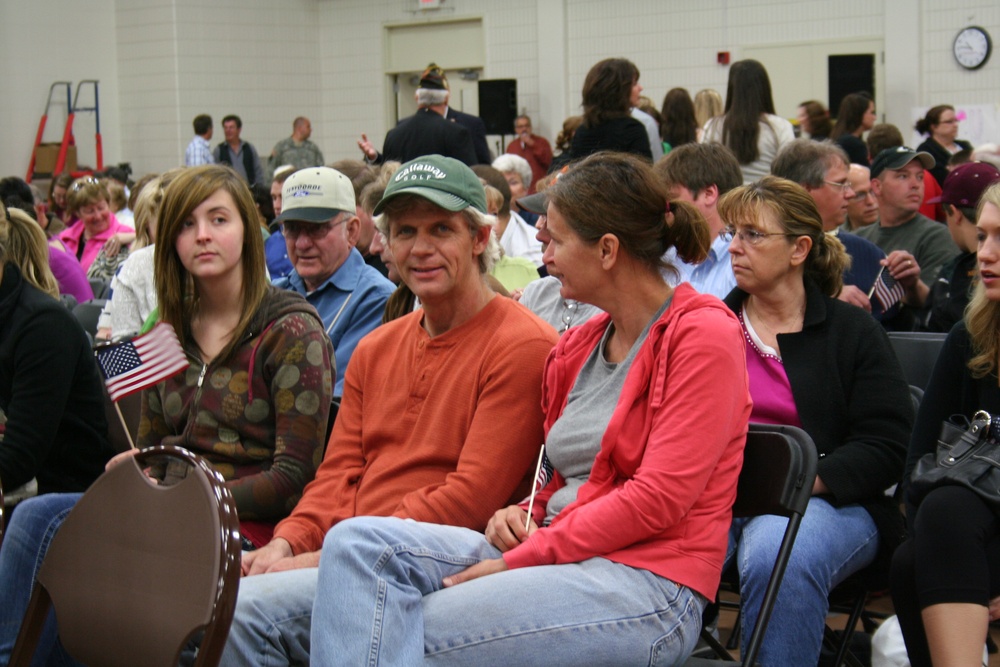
139	569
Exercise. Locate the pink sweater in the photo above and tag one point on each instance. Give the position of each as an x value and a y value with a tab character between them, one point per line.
72	236
661	490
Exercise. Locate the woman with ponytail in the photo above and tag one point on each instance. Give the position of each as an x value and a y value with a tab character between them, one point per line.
646	441
826	367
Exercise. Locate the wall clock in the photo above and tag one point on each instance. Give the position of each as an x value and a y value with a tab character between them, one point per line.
972	47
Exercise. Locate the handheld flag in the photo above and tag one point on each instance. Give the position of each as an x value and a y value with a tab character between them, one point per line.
543	474
887	290
141	362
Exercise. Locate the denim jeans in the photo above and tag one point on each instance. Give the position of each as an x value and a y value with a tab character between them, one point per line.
380	602
832	543
272	620
32	526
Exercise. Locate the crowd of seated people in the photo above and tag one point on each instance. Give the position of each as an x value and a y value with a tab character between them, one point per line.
612	316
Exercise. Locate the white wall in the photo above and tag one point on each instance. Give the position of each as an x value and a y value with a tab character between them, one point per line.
161	62
44	41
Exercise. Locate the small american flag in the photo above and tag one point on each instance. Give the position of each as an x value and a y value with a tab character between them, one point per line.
543	475
887	290
133	365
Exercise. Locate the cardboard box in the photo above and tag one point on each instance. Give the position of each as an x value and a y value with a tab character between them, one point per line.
47	154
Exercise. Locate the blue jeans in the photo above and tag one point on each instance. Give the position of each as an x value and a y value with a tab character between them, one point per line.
380	602
832	543
272	620
25	543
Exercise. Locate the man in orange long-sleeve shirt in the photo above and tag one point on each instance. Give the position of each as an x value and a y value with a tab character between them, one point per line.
441	415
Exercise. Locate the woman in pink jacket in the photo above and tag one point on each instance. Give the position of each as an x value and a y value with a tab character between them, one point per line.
646	417
94	227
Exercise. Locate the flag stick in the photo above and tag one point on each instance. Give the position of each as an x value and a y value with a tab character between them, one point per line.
878	276
121	418
534	486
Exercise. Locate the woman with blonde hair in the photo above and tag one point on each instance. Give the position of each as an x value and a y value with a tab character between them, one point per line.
946	577
49	387
828	368
133	292
93	226
707	105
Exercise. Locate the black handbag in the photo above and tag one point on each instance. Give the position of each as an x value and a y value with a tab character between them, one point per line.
967	455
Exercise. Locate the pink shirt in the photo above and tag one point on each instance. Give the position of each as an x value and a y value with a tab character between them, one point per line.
773	402
72	235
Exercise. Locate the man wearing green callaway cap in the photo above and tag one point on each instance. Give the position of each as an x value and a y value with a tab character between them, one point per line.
441	414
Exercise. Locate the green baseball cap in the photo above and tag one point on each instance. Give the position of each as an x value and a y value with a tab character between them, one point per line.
443	181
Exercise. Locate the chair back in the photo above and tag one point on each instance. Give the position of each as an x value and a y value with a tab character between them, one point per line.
917	352
138	569
88	313
779	468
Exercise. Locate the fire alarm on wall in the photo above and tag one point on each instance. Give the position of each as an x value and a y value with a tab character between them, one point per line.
722	57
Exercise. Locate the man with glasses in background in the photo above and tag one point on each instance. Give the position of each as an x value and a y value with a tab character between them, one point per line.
862	208
321	228
821	167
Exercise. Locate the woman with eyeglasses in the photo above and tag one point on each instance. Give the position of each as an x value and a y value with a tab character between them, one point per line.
93	227
826	367
940	124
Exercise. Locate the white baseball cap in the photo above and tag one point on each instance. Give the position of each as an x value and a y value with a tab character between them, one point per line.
316	194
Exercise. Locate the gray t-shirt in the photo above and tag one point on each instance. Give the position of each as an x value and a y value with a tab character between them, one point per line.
575	438
928	241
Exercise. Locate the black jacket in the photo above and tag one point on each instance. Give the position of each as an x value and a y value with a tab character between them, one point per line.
50	390
477	130
625	134
428	133
853	400
941	156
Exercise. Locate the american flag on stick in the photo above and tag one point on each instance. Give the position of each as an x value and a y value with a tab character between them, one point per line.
133	365
543	474
887	290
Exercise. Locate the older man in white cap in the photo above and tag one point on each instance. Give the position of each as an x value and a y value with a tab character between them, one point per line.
321	228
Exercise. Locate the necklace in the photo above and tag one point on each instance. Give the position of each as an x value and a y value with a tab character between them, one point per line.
791	327
569	311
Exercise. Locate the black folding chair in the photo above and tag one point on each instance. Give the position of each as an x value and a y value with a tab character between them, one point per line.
779	467
917	352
